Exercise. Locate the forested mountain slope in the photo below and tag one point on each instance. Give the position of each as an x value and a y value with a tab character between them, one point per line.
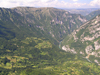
56	22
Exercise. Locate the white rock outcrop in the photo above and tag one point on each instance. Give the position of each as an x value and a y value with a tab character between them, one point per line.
67	49
89	49
97	45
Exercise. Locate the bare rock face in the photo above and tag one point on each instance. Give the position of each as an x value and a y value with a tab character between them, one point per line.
85	40
68	49
89	49
97	45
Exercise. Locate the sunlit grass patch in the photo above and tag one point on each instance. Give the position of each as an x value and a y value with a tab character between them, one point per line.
44	44
44	53
8	51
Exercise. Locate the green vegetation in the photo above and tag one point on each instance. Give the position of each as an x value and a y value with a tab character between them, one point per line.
31	59
80	33
29	40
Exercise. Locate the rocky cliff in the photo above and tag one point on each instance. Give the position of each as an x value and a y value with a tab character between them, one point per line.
85	41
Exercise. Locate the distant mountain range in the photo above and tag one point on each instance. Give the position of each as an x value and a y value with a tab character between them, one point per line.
93	14
89	13
82	11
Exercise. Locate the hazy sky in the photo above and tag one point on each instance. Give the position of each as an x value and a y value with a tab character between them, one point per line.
51	3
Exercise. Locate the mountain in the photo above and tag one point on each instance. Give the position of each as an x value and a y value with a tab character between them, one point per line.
56	22
27	47
85	41
81	11
92	14
23	45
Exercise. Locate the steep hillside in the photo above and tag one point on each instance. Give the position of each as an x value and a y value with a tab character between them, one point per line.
85	41
55	22
92	14
12	25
